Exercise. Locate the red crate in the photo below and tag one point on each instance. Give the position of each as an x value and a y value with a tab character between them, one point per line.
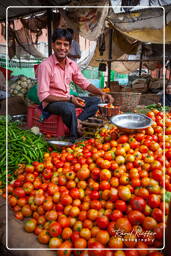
53	125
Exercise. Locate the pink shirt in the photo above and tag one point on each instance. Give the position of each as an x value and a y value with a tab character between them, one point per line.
53	80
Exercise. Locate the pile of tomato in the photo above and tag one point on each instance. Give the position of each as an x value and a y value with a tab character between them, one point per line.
99	193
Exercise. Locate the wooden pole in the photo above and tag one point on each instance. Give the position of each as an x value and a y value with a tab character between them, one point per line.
110	57
50	29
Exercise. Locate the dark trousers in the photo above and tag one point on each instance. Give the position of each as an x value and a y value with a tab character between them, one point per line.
67	111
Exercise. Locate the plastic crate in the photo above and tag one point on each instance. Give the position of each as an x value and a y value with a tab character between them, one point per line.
53	125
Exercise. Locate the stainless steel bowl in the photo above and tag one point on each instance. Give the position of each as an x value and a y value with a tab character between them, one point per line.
59	144
20	117
131	122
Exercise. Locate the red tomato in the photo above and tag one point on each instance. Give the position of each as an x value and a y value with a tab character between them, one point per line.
116	214
94	195
123	139
19	192
121	205
104	185
52	188
47	173
43	237
29	168
74	193
139	136
95	204
28	187
99	252
75	236
138	203
131	253
102	222
30	225
168	154
12	200
159	231
123	224
154	200
105	174
157	214
136	217
55	229
18	183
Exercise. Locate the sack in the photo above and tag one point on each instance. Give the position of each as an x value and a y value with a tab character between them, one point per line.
32	95
17	237
16	106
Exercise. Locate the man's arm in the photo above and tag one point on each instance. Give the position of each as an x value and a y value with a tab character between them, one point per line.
52	98
91	88
82	82
105	97
71	98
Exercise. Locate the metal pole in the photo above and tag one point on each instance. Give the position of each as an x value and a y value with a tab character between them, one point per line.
50	29
111	60
110	56
140	68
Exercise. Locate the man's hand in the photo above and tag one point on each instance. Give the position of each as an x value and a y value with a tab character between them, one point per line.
78	101
107	98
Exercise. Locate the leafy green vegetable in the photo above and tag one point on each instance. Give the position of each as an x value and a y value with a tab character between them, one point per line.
158	106
23	147
167	196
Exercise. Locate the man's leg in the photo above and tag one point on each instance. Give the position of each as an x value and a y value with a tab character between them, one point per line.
67	111
90	108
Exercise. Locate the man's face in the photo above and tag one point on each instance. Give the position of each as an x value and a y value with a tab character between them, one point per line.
61	48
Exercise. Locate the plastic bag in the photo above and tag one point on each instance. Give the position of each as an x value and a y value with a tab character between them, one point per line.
32	95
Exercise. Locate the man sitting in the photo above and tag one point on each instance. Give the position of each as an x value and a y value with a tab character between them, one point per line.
54	76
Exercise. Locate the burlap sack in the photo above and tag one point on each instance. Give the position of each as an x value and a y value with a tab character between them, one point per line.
16	106
17	237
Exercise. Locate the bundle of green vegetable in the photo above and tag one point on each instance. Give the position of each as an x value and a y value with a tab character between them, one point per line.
167	196
22	147
158	106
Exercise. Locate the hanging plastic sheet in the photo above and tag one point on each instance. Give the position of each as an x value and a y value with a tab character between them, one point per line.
86	56
24	44
120	44
136	4
145	25
124	67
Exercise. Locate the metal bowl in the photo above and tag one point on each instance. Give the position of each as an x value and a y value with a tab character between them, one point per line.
59	144
107	111
20	117
131	122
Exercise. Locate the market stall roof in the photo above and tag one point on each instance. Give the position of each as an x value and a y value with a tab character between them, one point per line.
14	12
123	6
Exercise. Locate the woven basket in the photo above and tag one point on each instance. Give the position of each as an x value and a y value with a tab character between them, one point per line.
149	98
126	100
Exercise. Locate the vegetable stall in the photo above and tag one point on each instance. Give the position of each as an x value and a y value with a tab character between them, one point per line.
104	192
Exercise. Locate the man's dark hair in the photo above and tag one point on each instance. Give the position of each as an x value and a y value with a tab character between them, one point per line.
70	30
60	32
